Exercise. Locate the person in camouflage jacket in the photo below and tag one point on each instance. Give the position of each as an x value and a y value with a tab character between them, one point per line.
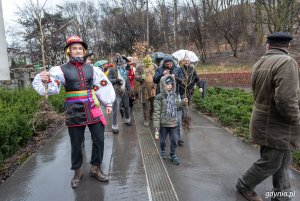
144	75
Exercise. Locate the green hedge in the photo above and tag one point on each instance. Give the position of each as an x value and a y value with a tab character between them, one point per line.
233	108
17	108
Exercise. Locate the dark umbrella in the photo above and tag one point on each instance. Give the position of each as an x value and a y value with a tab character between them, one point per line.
157	55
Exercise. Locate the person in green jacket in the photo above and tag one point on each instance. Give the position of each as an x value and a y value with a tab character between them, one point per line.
165	115
275	120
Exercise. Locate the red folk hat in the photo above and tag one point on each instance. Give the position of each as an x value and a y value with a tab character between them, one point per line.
75	39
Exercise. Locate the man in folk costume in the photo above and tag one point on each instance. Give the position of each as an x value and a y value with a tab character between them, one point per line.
85	87
120	80
144	75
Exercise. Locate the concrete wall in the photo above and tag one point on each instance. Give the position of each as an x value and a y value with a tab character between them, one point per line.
4	69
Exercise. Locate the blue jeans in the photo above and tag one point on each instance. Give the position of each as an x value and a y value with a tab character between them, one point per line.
172	131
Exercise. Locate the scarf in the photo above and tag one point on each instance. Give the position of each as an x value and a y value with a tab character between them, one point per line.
123	72
76	60
171	112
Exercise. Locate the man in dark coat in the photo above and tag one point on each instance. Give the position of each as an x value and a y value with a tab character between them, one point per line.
169	67
275	121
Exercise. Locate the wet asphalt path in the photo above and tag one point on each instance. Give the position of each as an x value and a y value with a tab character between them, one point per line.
212	159
46	175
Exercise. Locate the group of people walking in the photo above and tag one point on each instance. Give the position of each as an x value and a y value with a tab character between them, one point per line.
89	88
166	89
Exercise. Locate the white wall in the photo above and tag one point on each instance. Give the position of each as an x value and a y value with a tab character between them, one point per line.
4	69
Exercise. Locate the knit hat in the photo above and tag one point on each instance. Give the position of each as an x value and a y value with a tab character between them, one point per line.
75	39
168	58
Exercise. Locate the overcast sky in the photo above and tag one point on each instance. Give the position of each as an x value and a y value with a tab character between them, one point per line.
10	7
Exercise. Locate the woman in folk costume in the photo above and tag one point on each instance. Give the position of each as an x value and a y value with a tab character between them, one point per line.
144	75
120	80
85	87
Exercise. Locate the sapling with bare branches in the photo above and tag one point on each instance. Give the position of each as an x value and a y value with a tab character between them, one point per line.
46	114
187	83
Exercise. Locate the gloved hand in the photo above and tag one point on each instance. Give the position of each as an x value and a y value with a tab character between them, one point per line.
119	81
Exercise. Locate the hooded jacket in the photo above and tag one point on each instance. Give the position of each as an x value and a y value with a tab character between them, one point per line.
177	71
160	105
275	120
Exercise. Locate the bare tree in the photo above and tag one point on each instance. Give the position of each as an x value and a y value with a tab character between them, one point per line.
37	11
175	2
230	18
165	23
195	25
282	15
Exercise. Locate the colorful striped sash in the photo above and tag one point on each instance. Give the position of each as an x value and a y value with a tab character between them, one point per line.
83	96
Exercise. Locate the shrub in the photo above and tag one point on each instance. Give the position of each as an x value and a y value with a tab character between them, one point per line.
233	107
17	107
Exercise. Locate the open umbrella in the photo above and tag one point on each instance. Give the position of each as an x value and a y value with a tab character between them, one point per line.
100	63
180	54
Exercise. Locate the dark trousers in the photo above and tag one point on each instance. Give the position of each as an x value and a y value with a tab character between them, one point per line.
77	136
164	131
273	162
120	100
148	108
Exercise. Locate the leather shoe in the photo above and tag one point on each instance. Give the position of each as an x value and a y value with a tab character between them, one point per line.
115	131
98	174
248	194
76	179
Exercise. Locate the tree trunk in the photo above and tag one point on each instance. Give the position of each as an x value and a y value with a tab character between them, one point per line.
175	23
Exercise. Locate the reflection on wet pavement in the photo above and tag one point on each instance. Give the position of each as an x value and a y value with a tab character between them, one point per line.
211	162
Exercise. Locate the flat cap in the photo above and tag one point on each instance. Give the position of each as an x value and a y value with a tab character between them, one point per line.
281	36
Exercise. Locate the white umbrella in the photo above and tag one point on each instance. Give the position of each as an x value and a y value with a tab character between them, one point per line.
180	54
